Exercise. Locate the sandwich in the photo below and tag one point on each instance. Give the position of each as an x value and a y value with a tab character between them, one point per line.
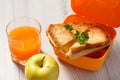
77	39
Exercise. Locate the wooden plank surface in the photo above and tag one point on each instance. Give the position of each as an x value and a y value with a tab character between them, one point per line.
47	12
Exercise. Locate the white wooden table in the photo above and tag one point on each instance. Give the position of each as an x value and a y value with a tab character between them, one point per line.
47	12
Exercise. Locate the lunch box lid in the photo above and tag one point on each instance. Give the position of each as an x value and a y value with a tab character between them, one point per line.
105	12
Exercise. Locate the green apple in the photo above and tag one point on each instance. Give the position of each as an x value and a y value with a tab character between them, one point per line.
41	67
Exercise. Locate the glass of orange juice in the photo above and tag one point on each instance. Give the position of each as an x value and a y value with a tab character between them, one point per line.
24	38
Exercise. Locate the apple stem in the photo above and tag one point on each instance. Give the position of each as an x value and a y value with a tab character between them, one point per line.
41	63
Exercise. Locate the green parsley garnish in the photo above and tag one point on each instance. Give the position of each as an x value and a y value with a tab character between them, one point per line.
68	27
81	37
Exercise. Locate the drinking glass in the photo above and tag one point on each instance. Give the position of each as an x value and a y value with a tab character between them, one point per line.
24	38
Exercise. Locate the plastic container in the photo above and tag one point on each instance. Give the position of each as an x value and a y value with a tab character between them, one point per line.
101	12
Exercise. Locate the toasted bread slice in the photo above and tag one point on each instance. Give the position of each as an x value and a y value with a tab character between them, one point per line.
97	37
81	26
58	35
83	52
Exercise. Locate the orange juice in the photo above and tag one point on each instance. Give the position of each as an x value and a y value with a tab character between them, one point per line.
24	41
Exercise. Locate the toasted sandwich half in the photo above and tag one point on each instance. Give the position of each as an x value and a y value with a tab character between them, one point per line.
63	40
